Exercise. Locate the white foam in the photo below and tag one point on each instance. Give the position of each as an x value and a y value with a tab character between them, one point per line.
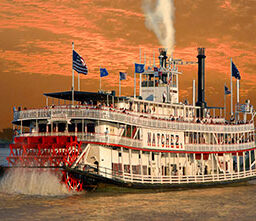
41	182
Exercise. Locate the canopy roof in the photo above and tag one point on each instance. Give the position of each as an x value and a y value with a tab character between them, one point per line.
83	95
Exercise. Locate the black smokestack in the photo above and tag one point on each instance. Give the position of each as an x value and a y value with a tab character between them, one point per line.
201	79
162	57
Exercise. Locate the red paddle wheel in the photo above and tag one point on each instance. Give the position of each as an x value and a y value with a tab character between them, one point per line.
47	152
73	150
72	182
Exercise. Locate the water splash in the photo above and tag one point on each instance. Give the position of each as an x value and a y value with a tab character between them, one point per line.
160	18
33	182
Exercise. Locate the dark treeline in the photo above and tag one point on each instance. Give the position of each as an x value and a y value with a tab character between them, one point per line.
6	134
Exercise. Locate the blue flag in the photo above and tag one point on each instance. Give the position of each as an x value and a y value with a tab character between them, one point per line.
122	76
139	68
226	90
79	63
235	72
103	72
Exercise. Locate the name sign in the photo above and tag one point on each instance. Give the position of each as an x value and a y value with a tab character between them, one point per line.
163	139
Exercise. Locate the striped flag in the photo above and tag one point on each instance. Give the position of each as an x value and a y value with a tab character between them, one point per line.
235	72
79	63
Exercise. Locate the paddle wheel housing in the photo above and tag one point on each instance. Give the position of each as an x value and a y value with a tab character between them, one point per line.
47	152
41	151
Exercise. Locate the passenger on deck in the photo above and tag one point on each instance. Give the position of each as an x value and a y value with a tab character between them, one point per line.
232	119
97	166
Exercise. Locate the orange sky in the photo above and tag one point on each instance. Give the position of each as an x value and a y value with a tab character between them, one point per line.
36	36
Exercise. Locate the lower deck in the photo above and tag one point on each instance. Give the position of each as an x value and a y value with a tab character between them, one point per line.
125	180
160	168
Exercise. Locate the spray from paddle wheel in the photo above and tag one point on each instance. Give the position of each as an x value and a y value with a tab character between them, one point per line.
53	152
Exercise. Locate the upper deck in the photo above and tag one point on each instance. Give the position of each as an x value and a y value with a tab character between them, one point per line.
149	120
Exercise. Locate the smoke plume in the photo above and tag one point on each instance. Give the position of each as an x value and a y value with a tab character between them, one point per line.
159	18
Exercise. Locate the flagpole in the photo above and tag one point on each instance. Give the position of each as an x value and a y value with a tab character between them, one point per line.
154	76
100	83
238	87
237	94
100	80
224	102
140	73
231	89
145	62
73	76
153	58
119	86
194	93
134	93
78	83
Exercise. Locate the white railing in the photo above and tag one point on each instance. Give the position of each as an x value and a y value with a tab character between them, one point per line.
112	139
133	119
182	179
219	147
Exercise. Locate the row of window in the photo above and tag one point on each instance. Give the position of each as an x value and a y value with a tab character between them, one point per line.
218	138
62	127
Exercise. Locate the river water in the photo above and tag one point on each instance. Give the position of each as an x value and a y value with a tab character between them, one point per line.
37	195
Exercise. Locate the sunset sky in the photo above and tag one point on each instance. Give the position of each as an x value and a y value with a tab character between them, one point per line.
36	49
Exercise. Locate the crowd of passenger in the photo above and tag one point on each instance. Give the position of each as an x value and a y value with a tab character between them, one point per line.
149	113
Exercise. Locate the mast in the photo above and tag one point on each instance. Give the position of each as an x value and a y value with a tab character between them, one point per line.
194	93
119	85
225	102
73	76
134	95
100	80
237	94
78	81
231	88
140	74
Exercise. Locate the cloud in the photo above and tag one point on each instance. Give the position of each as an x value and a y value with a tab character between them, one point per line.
36	39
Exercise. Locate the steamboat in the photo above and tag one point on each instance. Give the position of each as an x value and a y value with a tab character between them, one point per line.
150	140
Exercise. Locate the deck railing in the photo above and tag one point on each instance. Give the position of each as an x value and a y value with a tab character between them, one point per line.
133	119
181	179
111	139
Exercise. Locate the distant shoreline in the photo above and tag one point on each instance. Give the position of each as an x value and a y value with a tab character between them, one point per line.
4	145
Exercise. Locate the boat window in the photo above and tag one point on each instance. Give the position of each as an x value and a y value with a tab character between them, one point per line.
42	127
49	127
79	127
71	127
61	127
90	128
